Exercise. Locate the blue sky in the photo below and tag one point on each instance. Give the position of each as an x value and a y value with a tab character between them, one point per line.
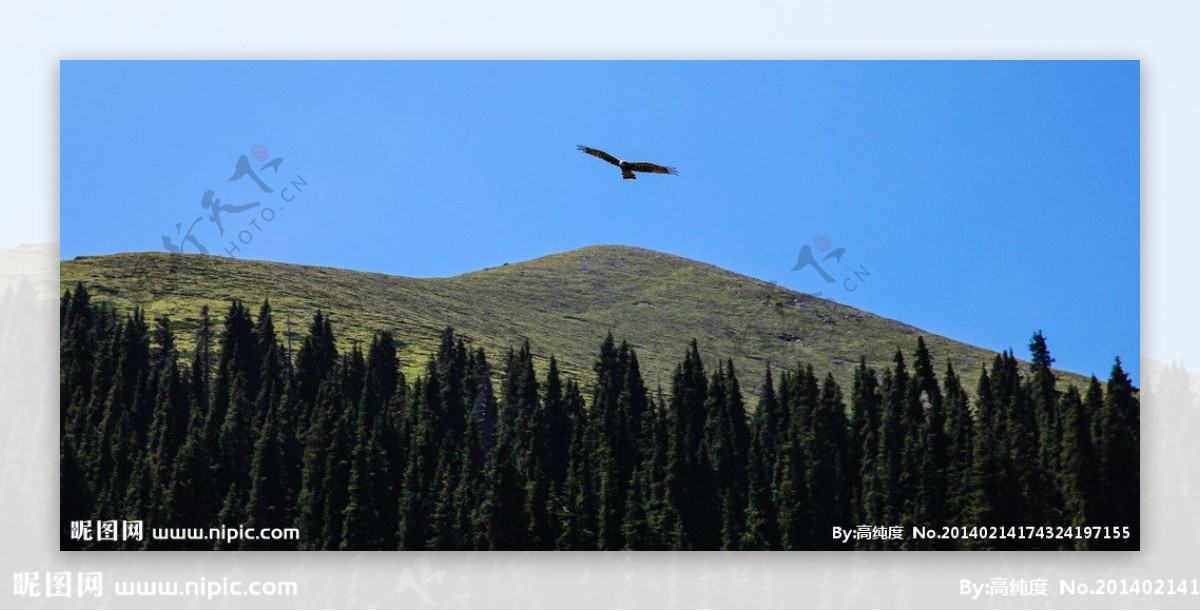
986	200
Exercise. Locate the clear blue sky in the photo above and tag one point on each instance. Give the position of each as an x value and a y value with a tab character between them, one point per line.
986	200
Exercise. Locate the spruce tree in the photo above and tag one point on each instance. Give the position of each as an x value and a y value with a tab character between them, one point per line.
417	502
344	448
268	504
866	422
1077	478
762	521
829	471
960	440
1120	463
890	459
791	495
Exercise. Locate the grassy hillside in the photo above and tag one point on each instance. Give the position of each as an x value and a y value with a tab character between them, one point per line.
564	304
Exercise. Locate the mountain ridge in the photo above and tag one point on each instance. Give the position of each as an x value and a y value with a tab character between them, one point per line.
563	303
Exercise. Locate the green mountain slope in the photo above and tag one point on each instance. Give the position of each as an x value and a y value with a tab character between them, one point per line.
564	304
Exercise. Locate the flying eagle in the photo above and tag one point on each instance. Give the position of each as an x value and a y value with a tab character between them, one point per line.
629	167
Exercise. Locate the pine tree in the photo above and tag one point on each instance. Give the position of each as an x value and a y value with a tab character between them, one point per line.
346	383
74	500
543	531
934	485
791	494
381	382
370	497
1078	479
270	361
310	520
169	425
866	422
960	439
892	448
79	345
416	500
236	357
762	520
345	449
829	471
1120	463
556	429
1044	400
504	517
989	462
268	504
138	501
692	516
611	440
236	445
577	502
504	513
315	359
730	453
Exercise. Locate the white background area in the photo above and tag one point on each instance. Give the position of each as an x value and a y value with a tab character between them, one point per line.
35	36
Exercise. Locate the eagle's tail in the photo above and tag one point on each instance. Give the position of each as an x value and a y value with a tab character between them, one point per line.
627	175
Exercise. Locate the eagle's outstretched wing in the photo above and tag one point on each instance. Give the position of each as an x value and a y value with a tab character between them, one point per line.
652	168
599	153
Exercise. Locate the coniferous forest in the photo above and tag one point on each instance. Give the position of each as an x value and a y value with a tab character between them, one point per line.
481	452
